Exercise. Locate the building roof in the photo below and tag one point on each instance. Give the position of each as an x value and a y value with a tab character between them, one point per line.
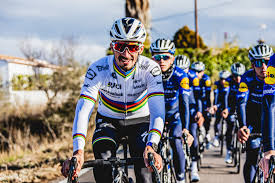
35	62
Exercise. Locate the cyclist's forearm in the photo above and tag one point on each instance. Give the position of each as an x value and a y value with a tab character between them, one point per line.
157	118
184	112
208	99
82	114
242	114
268	123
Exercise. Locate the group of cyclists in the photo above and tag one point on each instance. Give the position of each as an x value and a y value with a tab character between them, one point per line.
137	96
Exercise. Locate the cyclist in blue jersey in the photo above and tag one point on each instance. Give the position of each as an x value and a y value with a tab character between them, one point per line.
131	103
196	117
205	85
220	107
237	70
249	99
268	116
176	94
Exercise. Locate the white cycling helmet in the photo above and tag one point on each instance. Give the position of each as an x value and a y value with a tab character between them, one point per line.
163	45
224	74
198	66
237	69
128	29
260	51
182	61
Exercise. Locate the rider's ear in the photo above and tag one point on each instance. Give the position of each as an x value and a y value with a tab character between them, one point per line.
141	49
111	46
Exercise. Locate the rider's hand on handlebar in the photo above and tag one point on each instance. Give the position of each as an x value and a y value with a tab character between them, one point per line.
79	154
199	118
157	157
190	138
224	113
264	162
213	109
243	134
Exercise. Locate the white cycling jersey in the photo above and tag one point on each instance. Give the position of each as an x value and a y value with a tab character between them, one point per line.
122	95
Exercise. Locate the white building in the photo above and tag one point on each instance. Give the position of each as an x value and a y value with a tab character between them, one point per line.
13	66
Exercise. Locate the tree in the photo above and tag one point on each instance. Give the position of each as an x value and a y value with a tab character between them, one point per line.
185	38
139	9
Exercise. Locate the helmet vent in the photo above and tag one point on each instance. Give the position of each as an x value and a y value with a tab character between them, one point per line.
117	29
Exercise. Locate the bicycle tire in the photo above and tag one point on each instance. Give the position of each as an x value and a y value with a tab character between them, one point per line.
124	179
166	174
238	159
221	137
235	150
259	178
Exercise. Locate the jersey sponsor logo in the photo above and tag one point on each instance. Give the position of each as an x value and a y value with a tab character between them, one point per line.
155	71
135	86
86	85
144	67
114	75
159	82
226	84
178	73
270	78
208	83
114	85
243	87
269	91
102	68
90	74
215	87
196	82
185	83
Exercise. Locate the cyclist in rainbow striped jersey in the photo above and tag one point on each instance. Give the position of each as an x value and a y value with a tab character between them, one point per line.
131	103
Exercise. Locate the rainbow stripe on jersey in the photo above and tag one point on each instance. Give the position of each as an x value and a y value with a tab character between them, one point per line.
79	135
121	107
122	73
87	98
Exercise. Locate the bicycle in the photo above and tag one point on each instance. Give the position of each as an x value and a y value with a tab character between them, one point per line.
222	134
236	146
201	144
167	174
188	159
119	174
259	176
271	170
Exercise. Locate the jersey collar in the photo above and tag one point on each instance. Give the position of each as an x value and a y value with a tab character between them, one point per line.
121	72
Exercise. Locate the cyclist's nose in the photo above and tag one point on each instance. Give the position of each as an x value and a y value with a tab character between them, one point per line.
126	52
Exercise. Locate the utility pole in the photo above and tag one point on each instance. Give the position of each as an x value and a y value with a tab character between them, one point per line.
196	26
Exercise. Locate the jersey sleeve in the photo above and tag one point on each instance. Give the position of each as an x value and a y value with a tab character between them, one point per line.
197	94
207	85
156	104
226	89
242	97
268	110
84	108
184	90
216	93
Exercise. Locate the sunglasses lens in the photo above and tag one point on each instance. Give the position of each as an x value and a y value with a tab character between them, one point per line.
133	48
120	47
259	63
165	57
159	57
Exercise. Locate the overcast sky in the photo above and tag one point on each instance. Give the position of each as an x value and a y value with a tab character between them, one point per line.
90	21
